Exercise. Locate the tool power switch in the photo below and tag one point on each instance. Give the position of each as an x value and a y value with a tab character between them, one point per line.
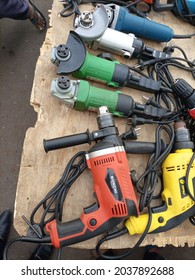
91	208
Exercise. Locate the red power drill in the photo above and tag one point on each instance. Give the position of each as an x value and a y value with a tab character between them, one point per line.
116	199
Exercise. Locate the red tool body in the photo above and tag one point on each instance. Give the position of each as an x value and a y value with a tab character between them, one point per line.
115	195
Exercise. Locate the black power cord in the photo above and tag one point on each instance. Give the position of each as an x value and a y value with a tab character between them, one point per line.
160	70
120	233
187	177
192	220
52	204
146	184
190	124
71	7
157	66
186	14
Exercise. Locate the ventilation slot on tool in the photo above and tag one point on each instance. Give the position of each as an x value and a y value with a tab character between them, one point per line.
119	210
178	167
103	161
187	206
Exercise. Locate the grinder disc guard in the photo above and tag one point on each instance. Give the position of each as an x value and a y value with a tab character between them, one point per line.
91	25
77	50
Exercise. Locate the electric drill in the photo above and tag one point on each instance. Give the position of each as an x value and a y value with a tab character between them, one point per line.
178	201
114	192
116	198
81	96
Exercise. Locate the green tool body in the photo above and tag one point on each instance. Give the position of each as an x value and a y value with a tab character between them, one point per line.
72	58
91	98
81	96
96	68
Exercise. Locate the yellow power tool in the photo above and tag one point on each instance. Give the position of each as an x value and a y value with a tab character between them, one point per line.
178	195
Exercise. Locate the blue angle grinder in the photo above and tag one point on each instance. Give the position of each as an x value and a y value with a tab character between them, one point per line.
119	18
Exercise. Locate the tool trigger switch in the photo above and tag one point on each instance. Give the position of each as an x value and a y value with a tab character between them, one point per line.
91	208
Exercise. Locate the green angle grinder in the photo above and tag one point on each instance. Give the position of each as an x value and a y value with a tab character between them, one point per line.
72	58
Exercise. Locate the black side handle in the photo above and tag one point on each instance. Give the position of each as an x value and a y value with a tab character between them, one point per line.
66	141
139	147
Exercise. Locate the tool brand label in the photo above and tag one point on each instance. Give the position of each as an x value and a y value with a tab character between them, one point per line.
113	184
182	183
95	79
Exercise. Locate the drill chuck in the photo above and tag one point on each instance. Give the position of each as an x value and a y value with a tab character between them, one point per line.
182	137
186	94
104	119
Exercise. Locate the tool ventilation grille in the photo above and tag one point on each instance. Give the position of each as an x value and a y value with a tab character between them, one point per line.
178	167
187	206
119	210
103	161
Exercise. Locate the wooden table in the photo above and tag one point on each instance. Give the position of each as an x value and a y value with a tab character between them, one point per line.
40	171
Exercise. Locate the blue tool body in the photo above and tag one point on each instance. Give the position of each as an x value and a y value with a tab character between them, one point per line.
189	3
142	27
185	9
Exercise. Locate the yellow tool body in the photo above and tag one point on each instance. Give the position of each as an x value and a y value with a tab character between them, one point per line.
177	205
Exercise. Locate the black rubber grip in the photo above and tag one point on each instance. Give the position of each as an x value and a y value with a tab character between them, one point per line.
66	141
69	228
139	147
121	74
176	221
73	231
125	104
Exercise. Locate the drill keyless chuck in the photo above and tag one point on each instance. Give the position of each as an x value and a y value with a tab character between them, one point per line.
186	93
104	119
182	137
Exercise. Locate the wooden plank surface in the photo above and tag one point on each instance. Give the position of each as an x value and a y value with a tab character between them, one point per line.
40	171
